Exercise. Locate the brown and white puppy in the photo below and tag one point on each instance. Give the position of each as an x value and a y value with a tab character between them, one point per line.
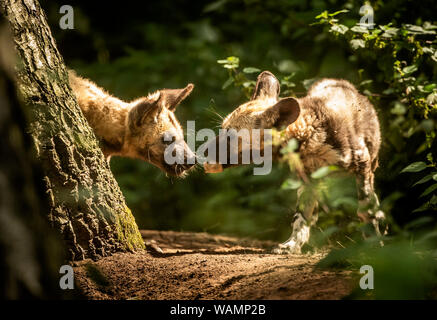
142	129
334	125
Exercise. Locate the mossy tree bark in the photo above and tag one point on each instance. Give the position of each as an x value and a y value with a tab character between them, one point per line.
29	262
86	204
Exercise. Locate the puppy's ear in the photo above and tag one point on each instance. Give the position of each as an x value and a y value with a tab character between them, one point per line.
171	98
285	112
144	108
267	86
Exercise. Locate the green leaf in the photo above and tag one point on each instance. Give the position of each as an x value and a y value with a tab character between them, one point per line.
307	83
429	26
291	146
427	125
413	29
432	52
233	59
399	108
214	6
434	177
291	184
423	207
230	66
359	29
424	179
323	15
431	99
230	62
340	28
415	167
357	43
429	190
288	83
320	173
366	82
228	83
429	87
248	84
338	12
410	69
251	70
389	32
388	91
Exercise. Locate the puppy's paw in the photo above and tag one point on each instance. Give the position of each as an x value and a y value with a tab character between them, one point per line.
290	247
152	247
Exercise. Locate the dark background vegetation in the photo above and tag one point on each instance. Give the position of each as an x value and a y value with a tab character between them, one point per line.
132	48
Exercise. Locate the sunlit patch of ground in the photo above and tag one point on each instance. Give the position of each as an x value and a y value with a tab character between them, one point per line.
204	266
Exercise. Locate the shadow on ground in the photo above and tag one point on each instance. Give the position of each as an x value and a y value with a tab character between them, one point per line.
204	266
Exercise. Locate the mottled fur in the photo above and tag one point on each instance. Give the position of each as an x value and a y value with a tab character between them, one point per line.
337	125
135	129
334	125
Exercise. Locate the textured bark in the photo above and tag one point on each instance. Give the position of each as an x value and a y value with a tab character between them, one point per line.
86	204
24	253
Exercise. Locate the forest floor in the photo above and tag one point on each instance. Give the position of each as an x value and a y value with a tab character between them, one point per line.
205	266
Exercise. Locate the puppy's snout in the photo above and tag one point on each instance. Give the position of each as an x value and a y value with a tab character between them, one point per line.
220	145
212	168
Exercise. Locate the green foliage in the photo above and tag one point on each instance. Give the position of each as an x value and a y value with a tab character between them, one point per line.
403	88
169	44
402	270
406	61
406	57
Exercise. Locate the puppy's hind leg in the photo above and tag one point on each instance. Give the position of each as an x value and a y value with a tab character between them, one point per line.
300	225
368	203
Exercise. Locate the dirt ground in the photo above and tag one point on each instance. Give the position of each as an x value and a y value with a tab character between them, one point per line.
204	266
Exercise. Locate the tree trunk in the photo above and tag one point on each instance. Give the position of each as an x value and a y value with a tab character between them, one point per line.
29	262
86	204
